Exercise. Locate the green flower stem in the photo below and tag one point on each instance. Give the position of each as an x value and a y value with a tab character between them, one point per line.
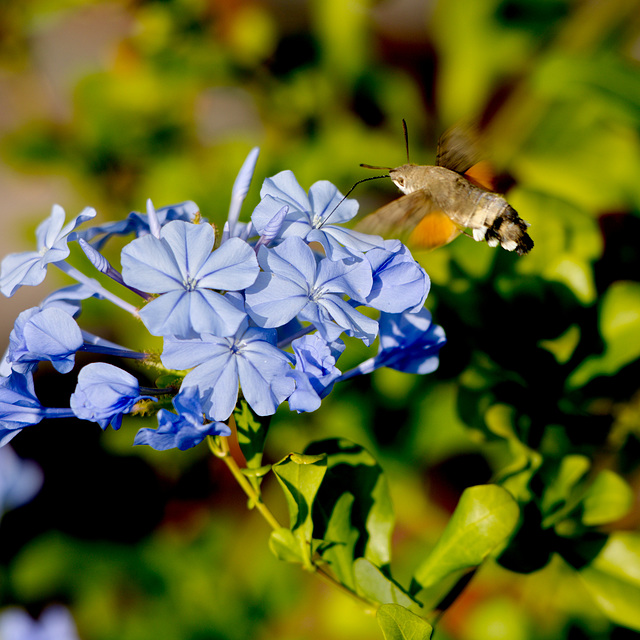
219	446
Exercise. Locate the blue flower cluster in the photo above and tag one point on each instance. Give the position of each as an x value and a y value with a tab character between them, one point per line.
257	310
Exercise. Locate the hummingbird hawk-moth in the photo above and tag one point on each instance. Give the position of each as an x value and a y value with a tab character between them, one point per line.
441	201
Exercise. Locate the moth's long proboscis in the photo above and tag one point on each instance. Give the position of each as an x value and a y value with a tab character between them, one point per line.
350	190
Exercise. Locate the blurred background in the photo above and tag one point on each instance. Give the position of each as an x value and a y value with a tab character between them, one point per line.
108	103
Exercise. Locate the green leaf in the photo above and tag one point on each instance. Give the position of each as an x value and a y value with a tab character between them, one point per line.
516	476
342	538
482	522
375	586
559	492
252	432
567	237
300	477
352	470
607	499
564	345
397	623
621	557
258	472
613	579
620	329
286	546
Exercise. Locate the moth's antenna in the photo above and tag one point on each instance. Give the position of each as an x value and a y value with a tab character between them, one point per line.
350	190
406	138
370	166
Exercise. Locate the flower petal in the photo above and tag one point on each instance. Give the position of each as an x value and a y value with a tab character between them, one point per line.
285	187
191	246
149	264
325	197
231	267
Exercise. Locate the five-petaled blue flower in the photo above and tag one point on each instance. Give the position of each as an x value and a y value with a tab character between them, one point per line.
30	267
184	429
250	357
293	284
308	216
44	334
104	393
409	342
181	266
19	406
315	371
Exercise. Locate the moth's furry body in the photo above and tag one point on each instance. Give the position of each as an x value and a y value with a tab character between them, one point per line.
440	201
487	214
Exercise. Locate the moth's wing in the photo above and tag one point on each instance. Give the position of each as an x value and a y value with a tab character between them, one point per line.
398	218
459	149
434	230
414	219
483	175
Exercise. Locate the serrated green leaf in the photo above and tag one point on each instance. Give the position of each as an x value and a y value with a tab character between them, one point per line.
482	522
375	586
607	499
352	469
398	623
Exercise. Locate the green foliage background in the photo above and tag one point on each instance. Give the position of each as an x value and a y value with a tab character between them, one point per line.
108	103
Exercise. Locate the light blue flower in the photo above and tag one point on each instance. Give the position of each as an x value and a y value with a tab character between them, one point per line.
184	429
104	393
409	342
241	188
20	408
68	299
399	282
292	284
30	267
315	371
219	363
138	223
49	334
20	480
314	218
181	266
272	229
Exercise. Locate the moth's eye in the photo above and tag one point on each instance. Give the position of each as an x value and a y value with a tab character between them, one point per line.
400	182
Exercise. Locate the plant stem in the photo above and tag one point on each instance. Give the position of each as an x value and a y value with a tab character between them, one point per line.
220	448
